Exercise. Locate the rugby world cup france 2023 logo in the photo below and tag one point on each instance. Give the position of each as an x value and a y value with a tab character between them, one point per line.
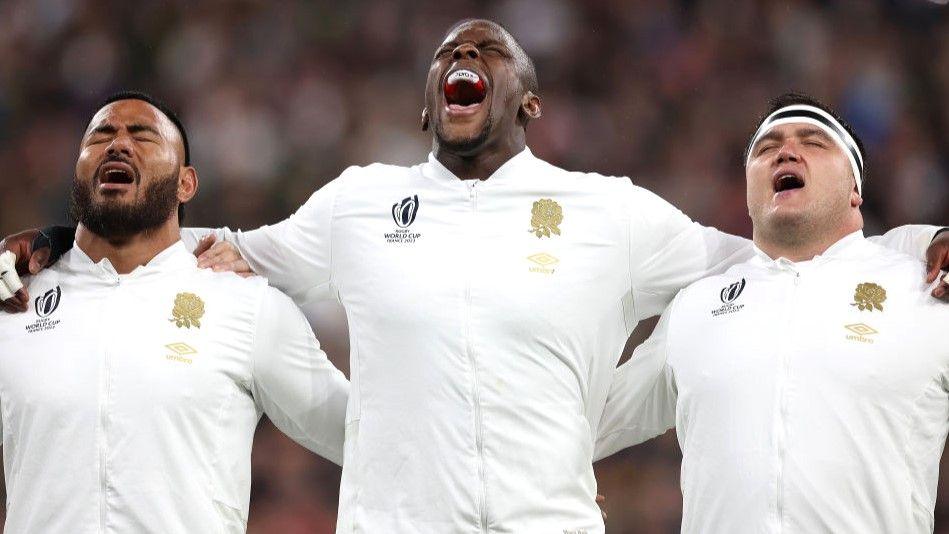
728	295
404	213
47	303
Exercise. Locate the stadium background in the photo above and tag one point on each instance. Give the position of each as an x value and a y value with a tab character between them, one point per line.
279	97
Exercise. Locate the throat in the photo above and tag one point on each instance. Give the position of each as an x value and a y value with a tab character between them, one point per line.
479	165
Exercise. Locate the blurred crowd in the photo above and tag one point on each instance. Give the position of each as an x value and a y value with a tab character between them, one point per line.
279	97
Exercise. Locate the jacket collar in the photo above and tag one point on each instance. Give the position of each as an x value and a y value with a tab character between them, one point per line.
848	247
515	166
173	258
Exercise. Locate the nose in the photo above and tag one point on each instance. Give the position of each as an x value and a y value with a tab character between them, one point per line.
120	145
465	51
787	153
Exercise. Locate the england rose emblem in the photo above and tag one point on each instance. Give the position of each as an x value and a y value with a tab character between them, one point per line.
188	310
546	217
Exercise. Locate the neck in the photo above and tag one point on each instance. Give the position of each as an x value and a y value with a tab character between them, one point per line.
128	253
483	161
799	244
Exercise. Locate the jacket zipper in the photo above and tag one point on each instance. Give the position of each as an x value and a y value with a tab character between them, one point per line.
103	413
479	428
783	400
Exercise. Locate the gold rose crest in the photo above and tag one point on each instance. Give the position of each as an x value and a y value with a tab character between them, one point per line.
188	310
869	296
546	217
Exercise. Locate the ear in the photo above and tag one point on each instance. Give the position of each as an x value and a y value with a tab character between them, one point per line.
425	119
187	184
855	199
530	105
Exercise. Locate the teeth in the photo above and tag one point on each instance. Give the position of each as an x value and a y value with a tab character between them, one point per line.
463	74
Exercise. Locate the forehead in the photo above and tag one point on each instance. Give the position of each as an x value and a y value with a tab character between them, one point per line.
123	112
476	30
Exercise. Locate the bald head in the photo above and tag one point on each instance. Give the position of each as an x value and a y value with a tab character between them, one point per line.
525	66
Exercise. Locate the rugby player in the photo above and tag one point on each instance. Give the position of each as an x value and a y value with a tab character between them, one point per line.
808	386
130	393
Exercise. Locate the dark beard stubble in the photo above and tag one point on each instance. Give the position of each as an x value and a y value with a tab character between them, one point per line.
115	221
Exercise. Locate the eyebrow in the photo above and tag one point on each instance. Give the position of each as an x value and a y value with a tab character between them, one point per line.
813	132
800	132
132	128
136	128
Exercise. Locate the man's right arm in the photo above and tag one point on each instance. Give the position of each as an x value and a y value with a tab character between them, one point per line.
295	255
294	382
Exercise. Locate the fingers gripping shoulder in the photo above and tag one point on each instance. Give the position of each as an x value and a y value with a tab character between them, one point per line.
10	281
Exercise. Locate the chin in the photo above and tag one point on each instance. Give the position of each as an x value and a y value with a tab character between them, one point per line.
787	218
462	139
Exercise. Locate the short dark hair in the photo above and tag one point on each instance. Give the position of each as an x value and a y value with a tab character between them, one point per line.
160	106
794	98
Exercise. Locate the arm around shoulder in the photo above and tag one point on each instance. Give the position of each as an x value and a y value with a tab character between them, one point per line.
668	251
642	399
294	382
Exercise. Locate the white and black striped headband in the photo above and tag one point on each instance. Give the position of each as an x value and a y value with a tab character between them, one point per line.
823	120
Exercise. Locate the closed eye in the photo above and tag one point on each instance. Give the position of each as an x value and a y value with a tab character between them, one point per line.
766	148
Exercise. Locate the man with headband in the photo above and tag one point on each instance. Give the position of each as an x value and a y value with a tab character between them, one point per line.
809	386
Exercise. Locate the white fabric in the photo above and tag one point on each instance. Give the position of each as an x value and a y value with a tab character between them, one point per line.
106	427
478	374
788	420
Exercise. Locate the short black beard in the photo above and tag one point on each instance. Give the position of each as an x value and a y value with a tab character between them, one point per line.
117	222
466	146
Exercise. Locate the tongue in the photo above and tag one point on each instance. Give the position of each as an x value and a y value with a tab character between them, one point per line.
464	91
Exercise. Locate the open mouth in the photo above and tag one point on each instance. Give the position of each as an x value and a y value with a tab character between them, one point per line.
116	173
464	89
787	181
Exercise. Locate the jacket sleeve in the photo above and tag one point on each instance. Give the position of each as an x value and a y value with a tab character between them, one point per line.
668	251
296	254
642	399
911	239
293	381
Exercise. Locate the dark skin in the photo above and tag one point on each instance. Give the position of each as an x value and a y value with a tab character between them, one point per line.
500	123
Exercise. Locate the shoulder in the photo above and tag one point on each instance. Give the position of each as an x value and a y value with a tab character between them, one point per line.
877	256
735	286
230	293
592	182
228	283
373	173
607	191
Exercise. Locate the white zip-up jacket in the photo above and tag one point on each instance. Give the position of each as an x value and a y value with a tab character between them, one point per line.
486	319
129	402
807	397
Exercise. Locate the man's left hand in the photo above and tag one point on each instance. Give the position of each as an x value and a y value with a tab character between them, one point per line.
937	259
